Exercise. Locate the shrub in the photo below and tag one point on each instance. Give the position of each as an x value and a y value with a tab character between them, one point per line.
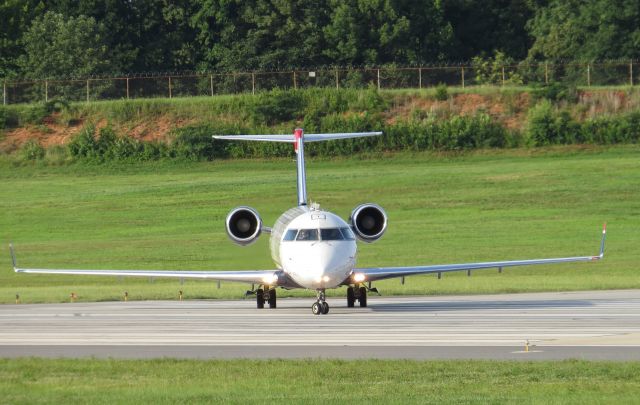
32	150
83	145
275	106
442	93
556	91
547	126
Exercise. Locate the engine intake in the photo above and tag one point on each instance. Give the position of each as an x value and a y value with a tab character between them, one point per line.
244	225
369	222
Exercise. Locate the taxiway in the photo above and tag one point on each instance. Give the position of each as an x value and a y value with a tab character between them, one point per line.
590	325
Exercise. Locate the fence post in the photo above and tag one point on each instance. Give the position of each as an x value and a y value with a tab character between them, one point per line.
211	84
503	76
631	73
378	79
420	78
463	77
46	91
170	95
295	82
127	88
4	92
337	81
588	75
546	73
253	83
87	90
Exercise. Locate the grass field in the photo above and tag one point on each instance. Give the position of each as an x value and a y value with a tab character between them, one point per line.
487	205
33	381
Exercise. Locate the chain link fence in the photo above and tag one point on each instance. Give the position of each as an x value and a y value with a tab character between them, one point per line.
211	84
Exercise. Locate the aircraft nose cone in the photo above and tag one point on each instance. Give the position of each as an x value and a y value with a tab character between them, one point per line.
325	268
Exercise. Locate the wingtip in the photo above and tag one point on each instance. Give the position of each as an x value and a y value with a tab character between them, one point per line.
604	236
13	257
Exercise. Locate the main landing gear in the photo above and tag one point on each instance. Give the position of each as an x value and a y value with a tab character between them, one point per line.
267	295
320	306
355	293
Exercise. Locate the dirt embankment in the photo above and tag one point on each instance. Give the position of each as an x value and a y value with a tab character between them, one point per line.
51	132
508	109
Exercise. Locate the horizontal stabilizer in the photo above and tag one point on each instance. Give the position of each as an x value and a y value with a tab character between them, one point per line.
291	138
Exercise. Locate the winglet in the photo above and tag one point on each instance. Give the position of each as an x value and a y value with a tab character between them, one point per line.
604	236
13	256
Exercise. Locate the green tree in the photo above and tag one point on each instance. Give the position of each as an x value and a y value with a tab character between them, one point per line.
260	34
57	46
142	35
483	27
591	30
15	16
386	31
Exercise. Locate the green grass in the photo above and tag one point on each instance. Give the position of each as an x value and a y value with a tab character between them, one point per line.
34	381
487	205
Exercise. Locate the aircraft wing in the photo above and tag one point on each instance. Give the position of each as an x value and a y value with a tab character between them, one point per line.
381	273
247	276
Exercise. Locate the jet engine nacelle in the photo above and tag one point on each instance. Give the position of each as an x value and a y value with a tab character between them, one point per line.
368	221
244	225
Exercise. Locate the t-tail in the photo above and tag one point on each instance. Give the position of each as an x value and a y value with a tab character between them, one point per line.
298	138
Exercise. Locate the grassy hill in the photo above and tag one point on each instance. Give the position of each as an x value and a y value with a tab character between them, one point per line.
431	119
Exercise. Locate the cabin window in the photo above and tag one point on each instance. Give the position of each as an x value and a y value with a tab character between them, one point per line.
307	234
290	235
348	235
331	234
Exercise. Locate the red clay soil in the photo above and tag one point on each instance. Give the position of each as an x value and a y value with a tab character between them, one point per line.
51	133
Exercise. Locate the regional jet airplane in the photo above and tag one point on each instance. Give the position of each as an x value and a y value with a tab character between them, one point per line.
312	248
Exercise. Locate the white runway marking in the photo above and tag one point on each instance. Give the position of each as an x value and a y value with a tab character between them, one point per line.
594	318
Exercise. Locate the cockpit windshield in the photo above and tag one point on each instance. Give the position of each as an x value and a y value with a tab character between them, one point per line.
331	234
315	234
307	234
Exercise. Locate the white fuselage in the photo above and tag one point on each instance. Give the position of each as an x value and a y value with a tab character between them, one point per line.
315	248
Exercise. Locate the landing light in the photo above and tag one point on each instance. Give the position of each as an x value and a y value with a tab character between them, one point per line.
358	277
272	279
325	279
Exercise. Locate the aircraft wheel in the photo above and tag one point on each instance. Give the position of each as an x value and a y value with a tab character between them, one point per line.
272	298
351	299
260	298
363	297
316	308
325	308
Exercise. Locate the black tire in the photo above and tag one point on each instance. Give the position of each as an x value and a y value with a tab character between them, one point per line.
272	298
363	297
260	298
325	308
316	308
351	299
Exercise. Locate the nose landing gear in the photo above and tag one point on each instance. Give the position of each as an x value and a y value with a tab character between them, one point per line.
320	306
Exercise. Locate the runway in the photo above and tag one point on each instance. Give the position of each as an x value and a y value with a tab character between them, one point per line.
591	325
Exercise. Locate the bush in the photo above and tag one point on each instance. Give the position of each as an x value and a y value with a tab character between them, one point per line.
611	130
548	126
32	150
442	93
556	91
83	145
275	106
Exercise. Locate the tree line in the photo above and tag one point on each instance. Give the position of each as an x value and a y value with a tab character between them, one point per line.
80	38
